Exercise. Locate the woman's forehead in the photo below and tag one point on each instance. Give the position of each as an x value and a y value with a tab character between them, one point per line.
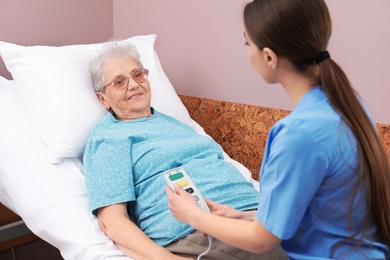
121	66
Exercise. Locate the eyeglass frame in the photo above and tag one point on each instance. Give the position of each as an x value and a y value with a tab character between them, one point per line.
145	72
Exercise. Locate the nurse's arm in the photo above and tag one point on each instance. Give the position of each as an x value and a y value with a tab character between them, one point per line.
244	234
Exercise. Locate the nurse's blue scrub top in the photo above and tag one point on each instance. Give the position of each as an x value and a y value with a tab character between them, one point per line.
307	175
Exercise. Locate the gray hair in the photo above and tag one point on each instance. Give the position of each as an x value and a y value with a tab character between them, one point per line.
111	51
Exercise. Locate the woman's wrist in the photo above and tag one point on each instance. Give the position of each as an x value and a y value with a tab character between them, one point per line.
248	215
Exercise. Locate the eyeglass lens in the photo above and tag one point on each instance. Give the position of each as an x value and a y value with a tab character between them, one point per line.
138	76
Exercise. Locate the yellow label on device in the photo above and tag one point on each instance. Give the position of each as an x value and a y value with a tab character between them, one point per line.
182	183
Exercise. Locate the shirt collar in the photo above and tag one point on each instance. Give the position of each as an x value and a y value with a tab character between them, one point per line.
314	95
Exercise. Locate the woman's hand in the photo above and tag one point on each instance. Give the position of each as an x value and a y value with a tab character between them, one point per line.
229	212
222	210
171	256
181	204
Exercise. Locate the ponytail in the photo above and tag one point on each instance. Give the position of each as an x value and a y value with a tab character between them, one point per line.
374	168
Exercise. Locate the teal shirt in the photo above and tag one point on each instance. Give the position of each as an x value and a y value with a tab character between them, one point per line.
125	161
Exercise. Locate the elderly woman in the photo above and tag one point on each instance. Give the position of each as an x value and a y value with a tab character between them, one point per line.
127	154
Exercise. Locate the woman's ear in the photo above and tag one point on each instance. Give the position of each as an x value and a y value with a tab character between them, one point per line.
270	57
103	100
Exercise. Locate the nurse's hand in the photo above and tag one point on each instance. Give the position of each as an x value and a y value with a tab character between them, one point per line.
229	212
181	204
222	210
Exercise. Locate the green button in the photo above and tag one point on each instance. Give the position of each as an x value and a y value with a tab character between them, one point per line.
176	176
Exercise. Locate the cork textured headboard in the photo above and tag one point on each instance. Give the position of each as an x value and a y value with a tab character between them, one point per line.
242	129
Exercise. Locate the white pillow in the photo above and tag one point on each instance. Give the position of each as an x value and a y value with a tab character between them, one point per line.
56	87
55	84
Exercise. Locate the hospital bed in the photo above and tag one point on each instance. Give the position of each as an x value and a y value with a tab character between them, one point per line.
47	112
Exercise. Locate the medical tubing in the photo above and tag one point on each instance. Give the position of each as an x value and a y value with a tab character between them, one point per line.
208	249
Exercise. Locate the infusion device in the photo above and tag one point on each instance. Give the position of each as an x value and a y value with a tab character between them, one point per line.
179	177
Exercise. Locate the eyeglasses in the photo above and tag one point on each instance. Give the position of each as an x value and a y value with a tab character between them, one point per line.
121	82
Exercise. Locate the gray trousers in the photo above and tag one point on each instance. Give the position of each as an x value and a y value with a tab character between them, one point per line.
195	244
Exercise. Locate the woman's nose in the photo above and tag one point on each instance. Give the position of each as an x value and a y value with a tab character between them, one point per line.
132	84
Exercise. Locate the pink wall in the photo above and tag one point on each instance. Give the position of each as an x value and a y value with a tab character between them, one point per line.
201	47
200	42
48	22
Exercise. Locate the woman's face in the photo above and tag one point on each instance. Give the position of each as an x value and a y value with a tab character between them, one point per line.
131	102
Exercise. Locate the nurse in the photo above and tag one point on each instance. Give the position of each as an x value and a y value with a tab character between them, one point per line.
324	181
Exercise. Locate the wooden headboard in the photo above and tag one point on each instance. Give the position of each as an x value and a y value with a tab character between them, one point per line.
242	129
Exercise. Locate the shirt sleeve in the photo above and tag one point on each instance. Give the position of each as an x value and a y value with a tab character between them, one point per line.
108	173
293	168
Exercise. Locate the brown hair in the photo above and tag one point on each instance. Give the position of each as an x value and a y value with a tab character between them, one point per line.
299	30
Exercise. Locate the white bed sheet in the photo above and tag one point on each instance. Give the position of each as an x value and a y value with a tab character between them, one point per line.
51	198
